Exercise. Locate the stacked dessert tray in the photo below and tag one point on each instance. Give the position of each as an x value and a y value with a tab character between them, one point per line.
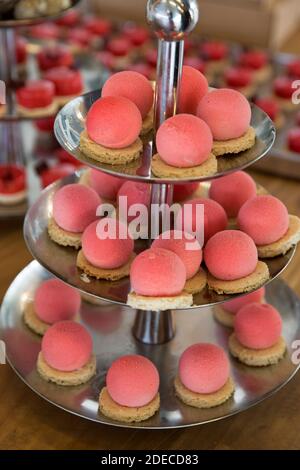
118	329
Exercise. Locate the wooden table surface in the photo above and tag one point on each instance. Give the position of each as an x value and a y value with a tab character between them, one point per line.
29	422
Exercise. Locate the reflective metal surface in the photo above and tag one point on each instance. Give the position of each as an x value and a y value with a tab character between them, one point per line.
61	261
70	122
111	329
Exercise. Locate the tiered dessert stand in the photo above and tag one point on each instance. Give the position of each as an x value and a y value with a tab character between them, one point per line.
116	328
14	139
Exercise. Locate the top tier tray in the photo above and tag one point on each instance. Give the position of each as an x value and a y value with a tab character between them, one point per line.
8	21
70	122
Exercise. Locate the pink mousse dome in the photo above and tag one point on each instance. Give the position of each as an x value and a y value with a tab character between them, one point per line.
136	193
227	112
133	86
55	301
203	368
114	122
232	191
215	218
185	246
257	326
264	218
111	252
104	184
67	346
193	87
74	207
157	272
233	306
182	191
132	381
184	141
230	255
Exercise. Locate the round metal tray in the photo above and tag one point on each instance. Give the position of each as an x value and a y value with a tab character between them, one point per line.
70	122
111	326
61	261
10	22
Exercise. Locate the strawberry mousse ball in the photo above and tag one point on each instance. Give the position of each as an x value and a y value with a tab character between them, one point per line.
67	346
264	218
74	207
36	94
54	56
232	191
230	255
132	381
238	77
135	193
257	326
110	252
183	191
254	60
193	87
107	186
283	87
133	86
233	306
67	82
55	301
227	112
157	272
119	46
294	139
184	141
203	368
215	218
214	50
185	246
113	122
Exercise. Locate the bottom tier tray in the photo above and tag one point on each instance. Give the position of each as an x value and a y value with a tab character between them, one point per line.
111	326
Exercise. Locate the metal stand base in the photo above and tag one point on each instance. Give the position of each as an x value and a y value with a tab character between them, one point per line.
154	327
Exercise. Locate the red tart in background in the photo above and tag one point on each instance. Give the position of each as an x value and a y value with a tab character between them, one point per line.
68	83
293	68
12	184
69	19
54	56
215	54
36	98
100	27
49	175
45	31
270	106
283	90
257	61
137	35
79	39
241	79
293	139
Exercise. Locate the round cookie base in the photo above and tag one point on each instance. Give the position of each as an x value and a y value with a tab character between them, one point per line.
162	170
100	273
46	111
257	357
33	322
233	146
109	156
223	317
203	400
63	237
76	377
147	125
109	408
196	283
245	284
284	244
143	302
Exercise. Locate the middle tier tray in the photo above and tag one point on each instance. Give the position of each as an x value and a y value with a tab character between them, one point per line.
61	261
70	122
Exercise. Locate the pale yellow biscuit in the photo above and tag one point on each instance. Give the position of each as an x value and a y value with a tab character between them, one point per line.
147	125
162	170
245	284
76	377
234	146
282	246
203	400
111	156
196	283
257	357
46	111
33	321
224	317
126	414
143	302
99	273
63	237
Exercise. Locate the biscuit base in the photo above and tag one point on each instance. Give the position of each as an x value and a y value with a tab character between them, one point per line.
62	100
46	111
196	283
147	125
286	104
224	317
233	146
33	322
63	237
100	273
162	170
284	244
257	357
245	284
263	75
126	414
143	302
110	156
75	377
203	400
